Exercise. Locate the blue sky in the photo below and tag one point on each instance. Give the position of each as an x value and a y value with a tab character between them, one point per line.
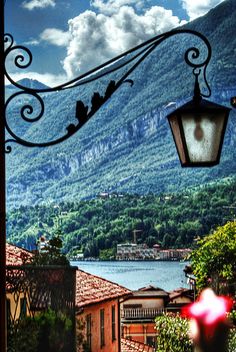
64	35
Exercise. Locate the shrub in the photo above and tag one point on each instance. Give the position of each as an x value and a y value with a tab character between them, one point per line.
46	332
232	340
172	334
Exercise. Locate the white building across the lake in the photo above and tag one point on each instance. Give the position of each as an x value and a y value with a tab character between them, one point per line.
134	251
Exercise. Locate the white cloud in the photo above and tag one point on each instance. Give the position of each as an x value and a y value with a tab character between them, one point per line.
112	6
196	8
33	4
49	79
32	42
95	38
55	36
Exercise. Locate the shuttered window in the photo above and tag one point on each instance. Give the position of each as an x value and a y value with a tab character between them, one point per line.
113	322
102	328
89	332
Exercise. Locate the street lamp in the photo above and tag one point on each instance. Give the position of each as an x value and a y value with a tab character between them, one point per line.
198	128
189	123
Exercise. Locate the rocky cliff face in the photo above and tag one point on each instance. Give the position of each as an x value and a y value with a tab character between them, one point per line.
142	145
133	133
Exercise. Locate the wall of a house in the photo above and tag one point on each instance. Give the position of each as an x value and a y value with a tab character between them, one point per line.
182	299
139	331
94	309
145	302
15	306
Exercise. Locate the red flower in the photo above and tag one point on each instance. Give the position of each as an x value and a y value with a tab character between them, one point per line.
209	309
209	327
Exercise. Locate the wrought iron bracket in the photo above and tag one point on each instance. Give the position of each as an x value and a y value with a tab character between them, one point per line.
23	59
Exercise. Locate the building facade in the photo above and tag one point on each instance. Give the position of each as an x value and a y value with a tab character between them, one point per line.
134	251
174	254
97	313
16	305
179	298
138	313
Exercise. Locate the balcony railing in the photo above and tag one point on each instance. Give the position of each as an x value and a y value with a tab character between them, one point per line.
40	309
141	313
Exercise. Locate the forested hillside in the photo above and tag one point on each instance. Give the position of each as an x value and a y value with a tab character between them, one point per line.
127	146
95	227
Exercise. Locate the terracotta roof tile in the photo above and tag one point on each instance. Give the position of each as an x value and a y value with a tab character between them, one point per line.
93	289
16	255
150	292
134	346
180	292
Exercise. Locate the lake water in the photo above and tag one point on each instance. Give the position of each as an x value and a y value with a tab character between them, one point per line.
137	274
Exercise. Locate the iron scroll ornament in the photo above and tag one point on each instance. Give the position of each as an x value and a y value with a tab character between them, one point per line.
23	59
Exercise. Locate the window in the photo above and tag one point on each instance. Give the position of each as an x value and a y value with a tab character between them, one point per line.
151	341
89	332
102	328
113	322
23	307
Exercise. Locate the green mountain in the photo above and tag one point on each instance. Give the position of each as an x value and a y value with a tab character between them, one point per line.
127	146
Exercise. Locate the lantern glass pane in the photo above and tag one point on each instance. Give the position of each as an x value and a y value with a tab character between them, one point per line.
174	124
203	136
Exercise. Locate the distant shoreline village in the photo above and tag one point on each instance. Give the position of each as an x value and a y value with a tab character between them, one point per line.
141	252
133	251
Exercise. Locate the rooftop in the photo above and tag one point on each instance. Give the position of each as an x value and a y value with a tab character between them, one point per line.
16	255
150	291
92	289
179	292
134	346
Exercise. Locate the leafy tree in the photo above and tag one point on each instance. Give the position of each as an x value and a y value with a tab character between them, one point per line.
51	254
81	343
48	331
167	241
214	260
172	334
106	254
